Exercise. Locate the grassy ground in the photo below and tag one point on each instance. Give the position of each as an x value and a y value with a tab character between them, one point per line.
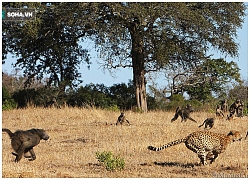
76	134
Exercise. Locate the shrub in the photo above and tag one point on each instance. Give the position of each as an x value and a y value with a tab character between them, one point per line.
7	102
110	161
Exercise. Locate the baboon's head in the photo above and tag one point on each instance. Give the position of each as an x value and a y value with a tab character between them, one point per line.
53	99
224	101
42	134
189	107
234	135
237	101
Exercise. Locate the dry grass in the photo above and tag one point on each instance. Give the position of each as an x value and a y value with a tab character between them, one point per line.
76	134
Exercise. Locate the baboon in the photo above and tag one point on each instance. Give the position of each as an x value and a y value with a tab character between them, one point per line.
208	122
219	112
184	113
239	110
224	106
121	119
235	108
23	142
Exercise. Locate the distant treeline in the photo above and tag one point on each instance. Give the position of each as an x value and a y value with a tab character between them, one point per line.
118	97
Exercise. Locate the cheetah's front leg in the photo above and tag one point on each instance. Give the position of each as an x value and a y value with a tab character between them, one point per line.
202	155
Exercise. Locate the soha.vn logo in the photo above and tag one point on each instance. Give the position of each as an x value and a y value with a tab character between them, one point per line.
16	14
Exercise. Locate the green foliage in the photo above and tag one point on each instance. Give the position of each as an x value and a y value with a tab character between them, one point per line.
211	76
113	108
49	45
110	161
175	101
123	94
145	36
7	102
116	97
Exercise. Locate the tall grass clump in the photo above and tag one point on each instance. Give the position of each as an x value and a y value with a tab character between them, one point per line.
110	161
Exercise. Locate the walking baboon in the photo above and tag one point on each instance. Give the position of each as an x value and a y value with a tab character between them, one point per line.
121	119
219	112
184	113
224	105
208	122
234	108
23	142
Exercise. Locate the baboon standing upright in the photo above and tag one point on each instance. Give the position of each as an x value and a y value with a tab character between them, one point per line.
184	113
224	106
208	122
219	112
239	110
234	108
121	119
23	142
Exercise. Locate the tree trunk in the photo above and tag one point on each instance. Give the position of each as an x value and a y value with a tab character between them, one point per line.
138	69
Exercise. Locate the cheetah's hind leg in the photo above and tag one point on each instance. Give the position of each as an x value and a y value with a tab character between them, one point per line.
212	156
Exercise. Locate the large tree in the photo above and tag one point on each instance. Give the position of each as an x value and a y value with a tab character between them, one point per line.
150	36
211	77
143	36
49	46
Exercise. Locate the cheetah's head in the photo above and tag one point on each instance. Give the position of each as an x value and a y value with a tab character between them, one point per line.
234	135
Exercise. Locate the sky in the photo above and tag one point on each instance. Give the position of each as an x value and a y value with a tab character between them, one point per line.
96	74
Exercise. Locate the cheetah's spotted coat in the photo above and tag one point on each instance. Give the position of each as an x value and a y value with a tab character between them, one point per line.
207	145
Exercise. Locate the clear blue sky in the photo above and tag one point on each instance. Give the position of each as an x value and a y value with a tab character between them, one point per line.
97	75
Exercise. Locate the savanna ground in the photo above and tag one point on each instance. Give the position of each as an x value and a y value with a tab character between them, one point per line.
77	134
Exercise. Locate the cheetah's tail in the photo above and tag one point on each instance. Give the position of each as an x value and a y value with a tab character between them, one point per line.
152	148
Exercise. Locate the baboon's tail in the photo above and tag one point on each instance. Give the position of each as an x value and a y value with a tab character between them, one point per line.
167	145
177	109
8	131
202	123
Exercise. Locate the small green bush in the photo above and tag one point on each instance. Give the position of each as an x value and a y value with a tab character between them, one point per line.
114	108
8	104
110	161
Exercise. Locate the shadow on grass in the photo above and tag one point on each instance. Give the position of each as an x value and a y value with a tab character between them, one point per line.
176	164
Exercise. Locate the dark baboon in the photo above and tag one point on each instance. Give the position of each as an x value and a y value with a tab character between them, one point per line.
184	113
23	142
224	106
121	119
219	112
208	122
234	108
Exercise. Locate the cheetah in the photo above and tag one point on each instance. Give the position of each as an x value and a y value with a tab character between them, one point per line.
207	145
